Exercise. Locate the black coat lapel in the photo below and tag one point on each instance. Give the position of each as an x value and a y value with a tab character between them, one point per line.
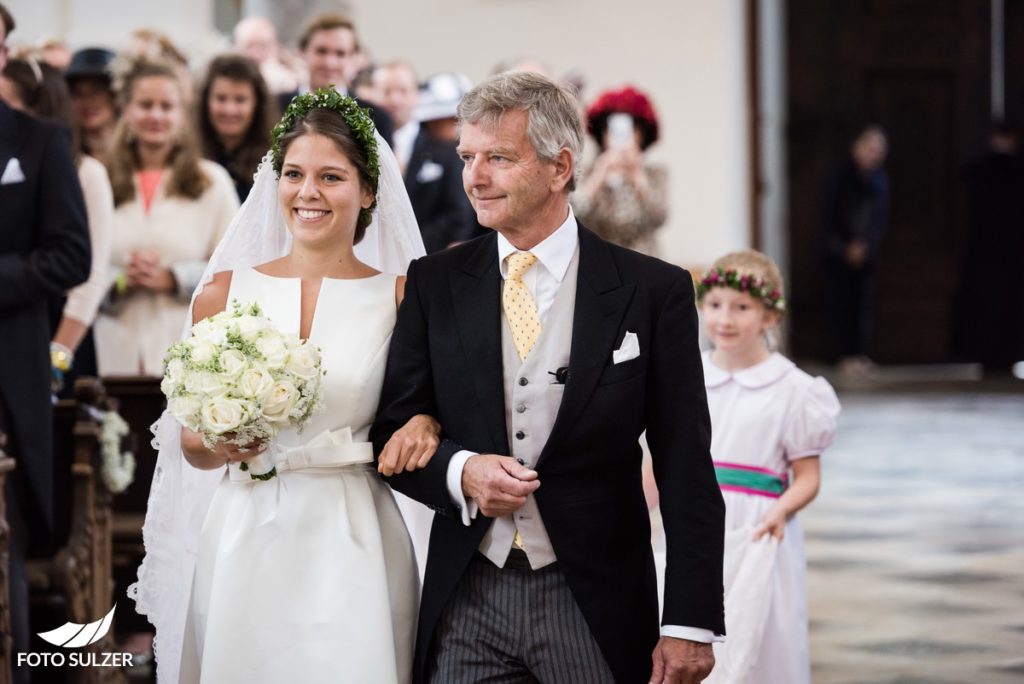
601	302
476	295
9	133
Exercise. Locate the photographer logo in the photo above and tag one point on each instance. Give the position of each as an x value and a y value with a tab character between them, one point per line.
73	636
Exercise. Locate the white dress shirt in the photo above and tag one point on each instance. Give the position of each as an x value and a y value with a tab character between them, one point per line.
404	139
553	254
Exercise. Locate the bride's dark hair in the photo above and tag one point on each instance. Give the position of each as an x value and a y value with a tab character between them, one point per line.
332	125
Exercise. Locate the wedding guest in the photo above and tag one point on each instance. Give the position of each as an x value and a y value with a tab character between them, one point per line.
623	197
770	423
367	84
171	209
40	90
155	45
856	220
92	100
990	304
35	87
44	252
236	114
55	52
330	48
438	102
256	38
431	166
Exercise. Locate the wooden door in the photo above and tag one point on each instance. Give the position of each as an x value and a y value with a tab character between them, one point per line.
920	68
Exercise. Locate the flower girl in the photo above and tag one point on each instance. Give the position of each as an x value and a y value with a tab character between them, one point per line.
770	423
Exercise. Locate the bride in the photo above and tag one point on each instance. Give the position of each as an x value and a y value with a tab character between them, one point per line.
309	576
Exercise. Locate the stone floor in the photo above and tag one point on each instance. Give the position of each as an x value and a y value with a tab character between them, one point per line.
915	545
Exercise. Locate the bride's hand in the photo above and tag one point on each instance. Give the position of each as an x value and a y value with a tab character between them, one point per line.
411	446
220	455
234	453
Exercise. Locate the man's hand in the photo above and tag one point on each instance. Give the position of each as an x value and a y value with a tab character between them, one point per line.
681	661
498	484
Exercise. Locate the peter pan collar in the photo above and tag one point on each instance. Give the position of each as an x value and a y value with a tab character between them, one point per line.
768	372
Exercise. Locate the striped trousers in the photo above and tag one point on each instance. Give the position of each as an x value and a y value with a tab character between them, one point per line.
515	626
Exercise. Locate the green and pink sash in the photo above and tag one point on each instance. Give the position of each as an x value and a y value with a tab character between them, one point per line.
746	479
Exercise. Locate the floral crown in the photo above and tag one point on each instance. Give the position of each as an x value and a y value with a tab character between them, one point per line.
742	282
357	118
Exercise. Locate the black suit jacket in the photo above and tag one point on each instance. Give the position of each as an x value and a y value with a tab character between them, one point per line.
381	119
433	180
44	251
445	360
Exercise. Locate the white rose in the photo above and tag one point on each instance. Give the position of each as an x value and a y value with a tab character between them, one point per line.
210	330
205	384
303	362
277	407
203	351
201	330
232	363
255	383
167	386
250	327
222	414
185	410
274	351
175	370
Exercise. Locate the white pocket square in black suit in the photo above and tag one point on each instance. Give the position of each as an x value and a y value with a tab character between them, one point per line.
628	350
12	173
429	172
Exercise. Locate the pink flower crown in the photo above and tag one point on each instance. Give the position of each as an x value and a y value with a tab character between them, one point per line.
719	277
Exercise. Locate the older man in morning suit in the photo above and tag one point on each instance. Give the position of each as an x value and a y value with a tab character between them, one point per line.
545	352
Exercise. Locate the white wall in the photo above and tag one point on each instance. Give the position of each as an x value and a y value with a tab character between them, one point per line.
688	54
108	22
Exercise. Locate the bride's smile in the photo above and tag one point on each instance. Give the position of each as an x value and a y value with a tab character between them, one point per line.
321	191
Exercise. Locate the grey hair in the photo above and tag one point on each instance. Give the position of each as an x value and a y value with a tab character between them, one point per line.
552	111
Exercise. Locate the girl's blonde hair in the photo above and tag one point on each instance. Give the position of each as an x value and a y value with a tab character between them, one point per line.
186	176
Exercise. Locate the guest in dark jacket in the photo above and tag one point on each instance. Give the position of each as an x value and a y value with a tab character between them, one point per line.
431	167
330	48
236	113
856	219
990	312
44	251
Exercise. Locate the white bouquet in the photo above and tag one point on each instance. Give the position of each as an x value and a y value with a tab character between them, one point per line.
239	380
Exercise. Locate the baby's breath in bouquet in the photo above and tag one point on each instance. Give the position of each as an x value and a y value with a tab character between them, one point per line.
237	379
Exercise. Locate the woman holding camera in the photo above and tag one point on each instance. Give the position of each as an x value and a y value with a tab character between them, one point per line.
623	198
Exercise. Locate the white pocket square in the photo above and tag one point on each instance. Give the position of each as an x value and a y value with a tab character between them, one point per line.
429	172
12	174
628	350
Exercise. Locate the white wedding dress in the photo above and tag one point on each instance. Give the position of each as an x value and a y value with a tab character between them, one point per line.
310	576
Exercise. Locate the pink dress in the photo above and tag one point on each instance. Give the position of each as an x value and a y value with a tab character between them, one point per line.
763	418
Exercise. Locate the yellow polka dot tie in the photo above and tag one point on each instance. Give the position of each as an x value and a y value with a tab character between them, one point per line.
518	304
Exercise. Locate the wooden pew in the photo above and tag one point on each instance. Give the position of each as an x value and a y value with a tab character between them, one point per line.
73	583
141	403
6	640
